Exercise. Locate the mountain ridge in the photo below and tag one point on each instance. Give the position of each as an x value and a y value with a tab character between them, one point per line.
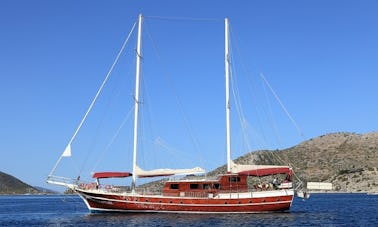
347	160
11	185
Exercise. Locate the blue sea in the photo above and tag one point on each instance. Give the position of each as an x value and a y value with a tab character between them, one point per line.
319	210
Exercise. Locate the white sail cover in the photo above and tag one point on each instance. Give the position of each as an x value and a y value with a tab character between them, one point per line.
259	170
166	172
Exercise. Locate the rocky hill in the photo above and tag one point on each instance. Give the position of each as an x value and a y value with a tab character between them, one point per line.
348	160
12	185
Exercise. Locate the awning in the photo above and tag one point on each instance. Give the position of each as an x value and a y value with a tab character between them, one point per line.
111	174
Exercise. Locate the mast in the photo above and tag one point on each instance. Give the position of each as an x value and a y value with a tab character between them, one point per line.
136	98
227	68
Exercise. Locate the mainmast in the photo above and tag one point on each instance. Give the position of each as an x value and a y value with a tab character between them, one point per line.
227	68
136	98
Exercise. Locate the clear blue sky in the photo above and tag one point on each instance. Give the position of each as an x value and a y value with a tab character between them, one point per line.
319	56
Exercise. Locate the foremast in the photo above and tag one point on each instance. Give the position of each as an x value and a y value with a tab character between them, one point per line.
228	107
136	99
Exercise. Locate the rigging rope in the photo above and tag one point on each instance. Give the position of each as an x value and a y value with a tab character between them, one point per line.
239	109
102	85
271	119
96	96
261	136
291	119
177	99
113	138
243	123
282	105
184	18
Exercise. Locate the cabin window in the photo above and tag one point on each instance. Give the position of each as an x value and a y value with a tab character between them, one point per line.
205	186
174	186
193	186
234	179
216	186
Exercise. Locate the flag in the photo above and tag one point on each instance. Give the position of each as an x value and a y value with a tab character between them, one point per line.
67	151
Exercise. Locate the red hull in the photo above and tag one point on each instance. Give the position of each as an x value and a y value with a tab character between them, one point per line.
143	203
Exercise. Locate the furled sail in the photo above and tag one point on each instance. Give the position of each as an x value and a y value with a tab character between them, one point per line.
166	172
259	170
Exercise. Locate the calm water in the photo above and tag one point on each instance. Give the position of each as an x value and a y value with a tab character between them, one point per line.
319	210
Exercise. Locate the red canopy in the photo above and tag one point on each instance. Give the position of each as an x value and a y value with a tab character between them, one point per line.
267	171
111	174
